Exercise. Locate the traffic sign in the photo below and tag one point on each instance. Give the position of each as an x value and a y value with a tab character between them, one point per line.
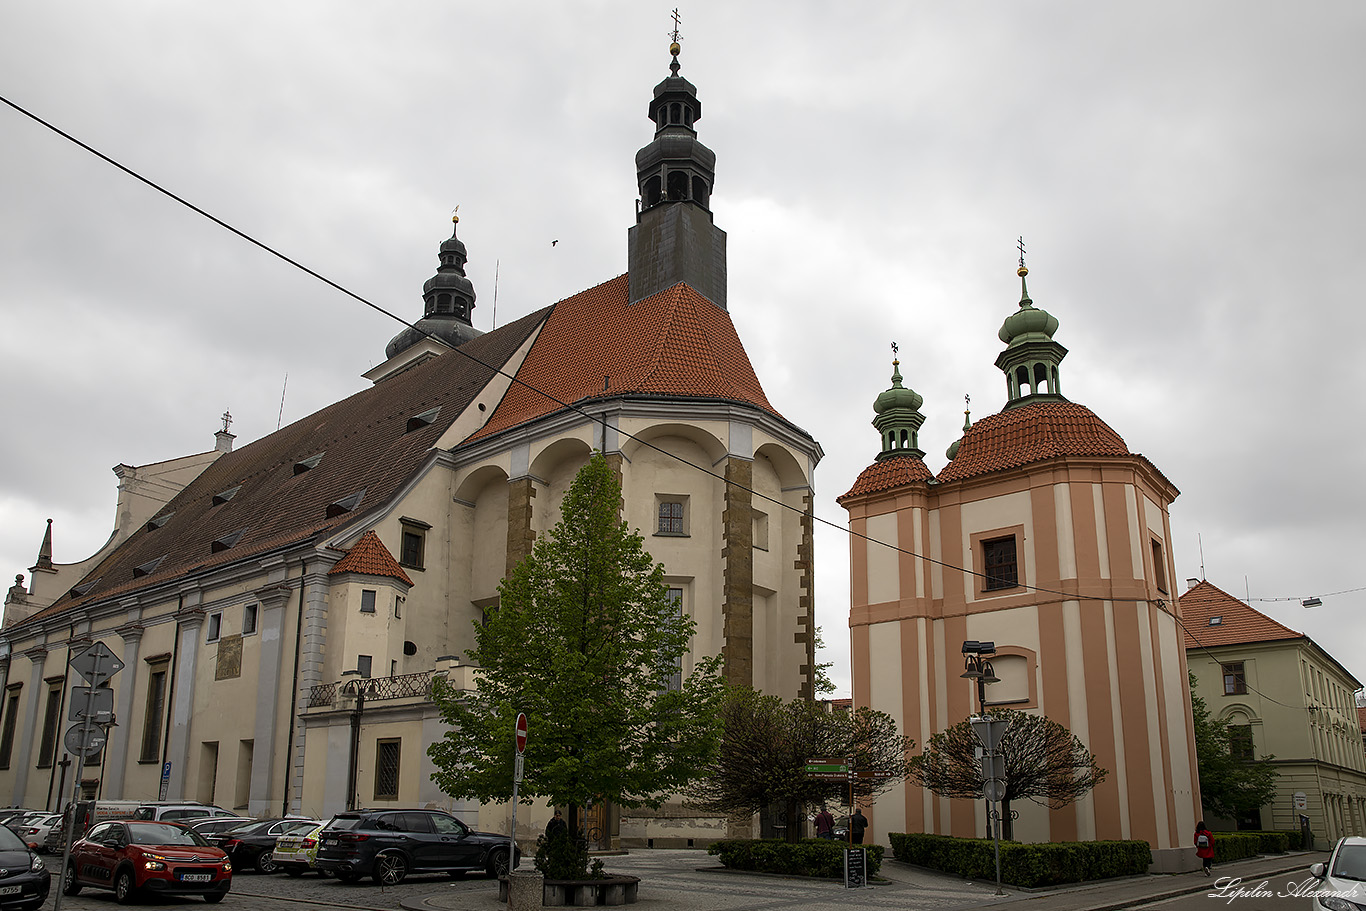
521	735
989	731
827	769
517	771
994	766
994	789
81	703
76	743
96	664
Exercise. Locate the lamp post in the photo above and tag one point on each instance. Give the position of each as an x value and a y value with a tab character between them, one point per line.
359	687
977	667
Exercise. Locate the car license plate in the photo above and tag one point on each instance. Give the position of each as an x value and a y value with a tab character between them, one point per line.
196	877
11	890
329	841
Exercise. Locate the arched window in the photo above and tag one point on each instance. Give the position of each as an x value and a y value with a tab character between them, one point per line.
1021	380
673	114
678	185
1041	378
699	191
443	303
653	191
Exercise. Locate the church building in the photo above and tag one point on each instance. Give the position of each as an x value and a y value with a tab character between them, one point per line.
282	608
1045	535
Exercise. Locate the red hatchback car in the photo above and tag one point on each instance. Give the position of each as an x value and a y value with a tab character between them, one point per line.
132	857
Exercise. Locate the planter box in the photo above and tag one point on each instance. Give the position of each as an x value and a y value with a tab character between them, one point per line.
584	893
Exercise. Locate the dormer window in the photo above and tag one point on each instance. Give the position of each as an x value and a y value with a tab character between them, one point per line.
422	420
225	495
158	521
227	541
308	464
148	567
345	504
85	587
1216	621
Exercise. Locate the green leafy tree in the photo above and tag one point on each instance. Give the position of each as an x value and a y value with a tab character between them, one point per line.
584	641
823	683
766	745
1229	784
1044	763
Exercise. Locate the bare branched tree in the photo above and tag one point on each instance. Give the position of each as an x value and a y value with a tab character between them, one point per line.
1044	762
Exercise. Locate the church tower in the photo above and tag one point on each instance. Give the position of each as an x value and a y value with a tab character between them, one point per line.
447	301
673	239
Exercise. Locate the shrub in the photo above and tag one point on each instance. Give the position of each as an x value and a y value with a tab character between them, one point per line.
565	857
809	857
1024	865
1236	845
1273	842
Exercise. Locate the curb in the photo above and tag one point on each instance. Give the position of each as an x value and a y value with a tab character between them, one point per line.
1188	890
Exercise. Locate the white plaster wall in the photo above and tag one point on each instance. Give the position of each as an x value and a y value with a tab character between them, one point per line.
884	576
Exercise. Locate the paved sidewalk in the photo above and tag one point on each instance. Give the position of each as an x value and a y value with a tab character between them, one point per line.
675	880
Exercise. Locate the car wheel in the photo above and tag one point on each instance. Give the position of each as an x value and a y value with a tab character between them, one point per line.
497	863
265	862
292	870
124	892
390	869
214	898
346	876
69	884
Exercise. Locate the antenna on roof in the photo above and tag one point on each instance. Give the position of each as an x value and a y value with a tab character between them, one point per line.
496	264
281	417
1201	542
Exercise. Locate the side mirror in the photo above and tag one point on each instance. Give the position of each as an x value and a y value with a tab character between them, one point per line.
1318	871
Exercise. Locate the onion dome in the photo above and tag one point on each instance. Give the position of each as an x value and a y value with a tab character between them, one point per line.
448	301
898	418
1030	361
952	451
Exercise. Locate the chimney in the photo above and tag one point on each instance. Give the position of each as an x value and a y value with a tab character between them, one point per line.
1191	583
223	441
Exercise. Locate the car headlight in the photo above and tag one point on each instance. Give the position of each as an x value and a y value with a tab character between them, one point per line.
1333	903
154	865
37	865
227	866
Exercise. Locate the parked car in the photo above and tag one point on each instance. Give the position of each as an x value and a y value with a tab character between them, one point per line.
178	812
296	853
11	814
35	829
213	825
132	857
389	844
251	845
27	880
1342	881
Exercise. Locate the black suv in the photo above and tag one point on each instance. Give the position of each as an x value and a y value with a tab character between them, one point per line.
389	844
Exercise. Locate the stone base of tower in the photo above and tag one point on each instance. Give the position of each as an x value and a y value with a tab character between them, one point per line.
1174	860
677	242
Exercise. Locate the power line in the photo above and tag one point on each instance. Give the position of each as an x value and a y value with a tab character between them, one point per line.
1072	596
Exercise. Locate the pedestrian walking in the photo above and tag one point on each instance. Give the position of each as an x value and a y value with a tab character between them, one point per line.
557	827
1204	845
825	824
857	823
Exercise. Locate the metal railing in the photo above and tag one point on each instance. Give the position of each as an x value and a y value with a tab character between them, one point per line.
404	686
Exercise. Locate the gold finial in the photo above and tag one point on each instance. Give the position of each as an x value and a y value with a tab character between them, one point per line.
1022	271
455	219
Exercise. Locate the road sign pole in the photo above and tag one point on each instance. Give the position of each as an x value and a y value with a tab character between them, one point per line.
70	816
519	732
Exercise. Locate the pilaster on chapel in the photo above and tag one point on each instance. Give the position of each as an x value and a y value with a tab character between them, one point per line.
737	556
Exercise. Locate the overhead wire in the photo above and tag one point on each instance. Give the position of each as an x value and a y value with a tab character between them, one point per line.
1160	603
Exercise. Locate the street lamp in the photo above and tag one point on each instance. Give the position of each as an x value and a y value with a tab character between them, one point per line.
977	667
359	686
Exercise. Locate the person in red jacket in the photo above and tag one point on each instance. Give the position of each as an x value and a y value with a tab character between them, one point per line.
1204	845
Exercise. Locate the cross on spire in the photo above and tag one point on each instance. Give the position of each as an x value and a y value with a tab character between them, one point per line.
1021	245
895	349
674	35
227	421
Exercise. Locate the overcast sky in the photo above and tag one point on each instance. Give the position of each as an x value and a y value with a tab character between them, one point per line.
1188	179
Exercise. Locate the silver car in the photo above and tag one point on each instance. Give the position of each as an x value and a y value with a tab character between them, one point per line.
1341	882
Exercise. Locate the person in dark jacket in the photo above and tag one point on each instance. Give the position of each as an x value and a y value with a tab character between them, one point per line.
1204	845
857	824
825	824
556	828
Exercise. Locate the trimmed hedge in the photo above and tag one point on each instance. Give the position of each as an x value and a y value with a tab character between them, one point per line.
1023	865
1274	842
810	857
1236	845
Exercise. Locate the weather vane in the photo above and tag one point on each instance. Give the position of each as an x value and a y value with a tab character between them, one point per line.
227	421
895	349
455	215
1020	244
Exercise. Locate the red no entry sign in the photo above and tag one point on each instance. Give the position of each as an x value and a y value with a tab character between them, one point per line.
521	733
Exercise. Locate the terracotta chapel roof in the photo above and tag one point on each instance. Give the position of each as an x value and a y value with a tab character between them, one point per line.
887	475
597	345
1237	623
1361	717
265	495
1032	433
370	557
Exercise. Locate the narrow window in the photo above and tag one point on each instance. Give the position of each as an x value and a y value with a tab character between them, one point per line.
672	670
367	601
7	733
1159	567
998	557
215	627
1235	683
398	607
760	531
387	754
156	709
411	551
52	717
363	663
671	517
249	619
1240	742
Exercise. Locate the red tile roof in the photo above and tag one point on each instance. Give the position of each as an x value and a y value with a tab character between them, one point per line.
887	475
596	345
1238	624
365	445
1032	433
370	557
1361	717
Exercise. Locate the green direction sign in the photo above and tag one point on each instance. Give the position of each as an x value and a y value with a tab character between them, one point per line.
827	768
